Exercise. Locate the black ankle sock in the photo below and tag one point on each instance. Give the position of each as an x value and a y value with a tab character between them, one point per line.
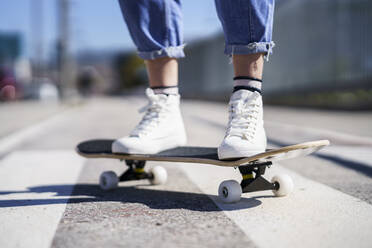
247	78
247	83
253	89
166	90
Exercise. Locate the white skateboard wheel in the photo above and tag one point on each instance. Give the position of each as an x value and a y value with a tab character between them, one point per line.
285	184
108	180
229	191
159	175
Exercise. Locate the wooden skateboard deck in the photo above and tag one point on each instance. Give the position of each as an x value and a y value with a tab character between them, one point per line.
251	168
101	148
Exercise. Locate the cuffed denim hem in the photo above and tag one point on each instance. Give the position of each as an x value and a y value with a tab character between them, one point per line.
171	52
255	47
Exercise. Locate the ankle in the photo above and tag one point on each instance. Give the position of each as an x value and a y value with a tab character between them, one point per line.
247	83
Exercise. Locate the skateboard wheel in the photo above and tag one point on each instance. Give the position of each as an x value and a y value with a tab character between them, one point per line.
159	175
285	184
108	180
229	191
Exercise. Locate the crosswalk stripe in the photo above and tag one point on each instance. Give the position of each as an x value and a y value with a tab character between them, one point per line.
314	215
29	209
361	154
10	141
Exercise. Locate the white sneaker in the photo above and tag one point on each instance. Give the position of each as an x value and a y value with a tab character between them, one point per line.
161	127
245	134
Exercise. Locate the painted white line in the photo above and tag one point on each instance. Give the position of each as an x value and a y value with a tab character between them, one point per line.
30	208
358	154
295	133
12	140
314	215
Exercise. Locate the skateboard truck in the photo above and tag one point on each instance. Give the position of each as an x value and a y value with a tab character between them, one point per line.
230	190
135	171
253	179
157	175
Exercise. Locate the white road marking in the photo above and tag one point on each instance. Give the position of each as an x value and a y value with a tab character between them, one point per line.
314	215
30	209
13	139
294	133
359	154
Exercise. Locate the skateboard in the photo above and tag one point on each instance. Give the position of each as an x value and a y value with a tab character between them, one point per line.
251	168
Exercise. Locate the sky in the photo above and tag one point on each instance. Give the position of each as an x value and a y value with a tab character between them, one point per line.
96	24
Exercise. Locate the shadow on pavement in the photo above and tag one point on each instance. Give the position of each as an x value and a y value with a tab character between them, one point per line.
154	199
360	167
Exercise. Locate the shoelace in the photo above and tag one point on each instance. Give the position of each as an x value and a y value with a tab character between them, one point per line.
243	117
154	113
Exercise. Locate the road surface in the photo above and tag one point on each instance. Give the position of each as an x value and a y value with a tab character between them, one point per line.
49	196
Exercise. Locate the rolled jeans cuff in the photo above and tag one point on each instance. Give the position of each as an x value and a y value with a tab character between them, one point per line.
171	52
255	47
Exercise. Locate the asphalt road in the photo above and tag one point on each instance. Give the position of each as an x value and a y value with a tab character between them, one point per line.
49	195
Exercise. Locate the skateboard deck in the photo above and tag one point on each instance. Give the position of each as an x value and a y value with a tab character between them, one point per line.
101	148
251	168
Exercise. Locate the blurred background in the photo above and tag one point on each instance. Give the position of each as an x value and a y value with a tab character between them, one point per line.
69	72
64	49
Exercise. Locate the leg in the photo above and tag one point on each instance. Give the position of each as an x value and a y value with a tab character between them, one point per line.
162	72
248	65
248	31
247	26
156	29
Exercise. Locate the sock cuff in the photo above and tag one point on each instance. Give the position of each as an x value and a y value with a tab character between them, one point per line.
248	78
163	87
253	89
247	83
167	90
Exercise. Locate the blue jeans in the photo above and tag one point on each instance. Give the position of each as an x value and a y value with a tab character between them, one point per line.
156	26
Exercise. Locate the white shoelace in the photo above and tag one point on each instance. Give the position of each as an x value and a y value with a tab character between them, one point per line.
243	118
155	111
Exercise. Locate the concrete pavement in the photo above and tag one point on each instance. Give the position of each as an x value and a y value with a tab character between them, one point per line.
49	196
